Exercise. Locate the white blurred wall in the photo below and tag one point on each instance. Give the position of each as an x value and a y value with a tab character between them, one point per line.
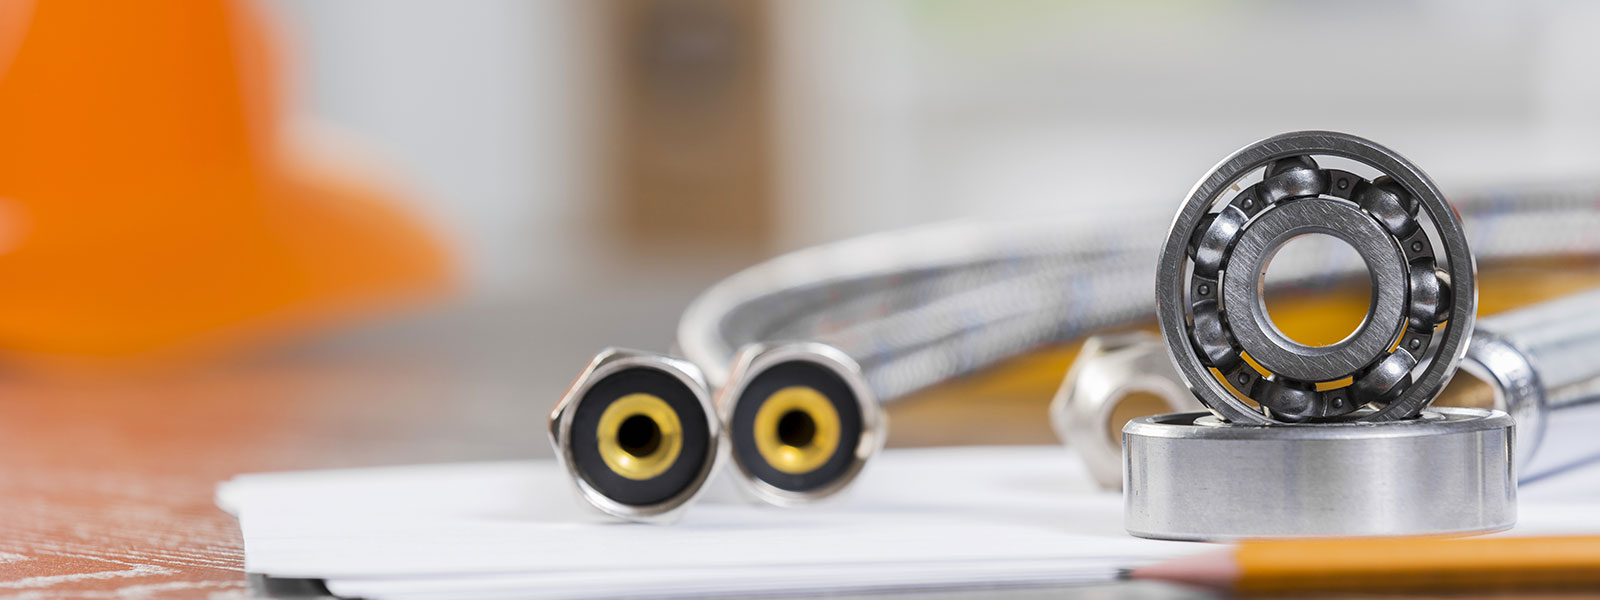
903	111
918	110
482	106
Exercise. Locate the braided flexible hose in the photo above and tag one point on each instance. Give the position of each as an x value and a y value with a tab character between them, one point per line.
919	306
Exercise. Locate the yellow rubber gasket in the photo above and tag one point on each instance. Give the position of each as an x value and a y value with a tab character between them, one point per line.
809	404
640	461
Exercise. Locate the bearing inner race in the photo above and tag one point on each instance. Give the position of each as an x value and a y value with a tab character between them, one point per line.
1246	306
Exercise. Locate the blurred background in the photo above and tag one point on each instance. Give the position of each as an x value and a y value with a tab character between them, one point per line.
538	180
597	164
548	139
250	235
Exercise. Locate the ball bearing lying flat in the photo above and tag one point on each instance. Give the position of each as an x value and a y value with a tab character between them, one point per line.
1209	289
1191	477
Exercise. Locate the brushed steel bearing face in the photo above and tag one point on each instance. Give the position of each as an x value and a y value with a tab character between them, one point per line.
1243	296
1209	284
1448	471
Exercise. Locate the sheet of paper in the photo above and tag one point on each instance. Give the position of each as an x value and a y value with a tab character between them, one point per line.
969	516
1568	442
917	518
707	582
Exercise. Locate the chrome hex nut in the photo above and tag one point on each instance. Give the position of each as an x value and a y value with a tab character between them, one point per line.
1110	369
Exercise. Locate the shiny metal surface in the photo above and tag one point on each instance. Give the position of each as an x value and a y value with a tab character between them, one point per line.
1192	477
1203	333
560	427
1543	362
1538	361
916	306
1247	306
1515	383
1108	370
757	358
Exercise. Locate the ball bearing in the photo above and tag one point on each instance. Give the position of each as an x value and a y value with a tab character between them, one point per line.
1212	310
1192	477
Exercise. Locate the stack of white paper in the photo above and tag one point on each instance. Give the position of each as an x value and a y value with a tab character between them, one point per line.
917	519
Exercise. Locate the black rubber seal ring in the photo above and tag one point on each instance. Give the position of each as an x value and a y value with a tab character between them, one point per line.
586	446
768	382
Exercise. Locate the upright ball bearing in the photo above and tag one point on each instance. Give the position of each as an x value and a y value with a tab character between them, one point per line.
1209	283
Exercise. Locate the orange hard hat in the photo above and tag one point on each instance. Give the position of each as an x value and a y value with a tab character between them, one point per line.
154	202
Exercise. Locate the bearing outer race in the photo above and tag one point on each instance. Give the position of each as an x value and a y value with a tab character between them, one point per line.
1247	313
1450	471
1171	284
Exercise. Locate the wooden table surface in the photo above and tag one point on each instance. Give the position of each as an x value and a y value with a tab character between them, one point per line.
106	485
106	489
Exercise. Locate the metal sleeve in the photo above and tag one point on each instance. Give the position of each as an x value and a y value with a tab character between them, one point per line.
1544	362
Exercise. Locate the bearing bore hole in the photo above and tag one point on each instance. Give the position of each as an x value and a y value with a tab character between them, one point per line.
1328	307
796	428
639	435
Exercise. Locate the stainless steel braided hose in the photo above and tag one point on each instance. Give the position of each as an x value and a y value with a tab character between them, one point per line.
924	305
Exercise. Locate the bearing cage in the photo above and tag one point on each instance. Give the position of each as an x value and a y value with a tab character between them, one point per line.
1193	310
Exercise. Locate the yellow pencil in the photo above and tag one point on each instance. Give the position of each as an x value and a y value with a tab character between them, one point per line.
1389	564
